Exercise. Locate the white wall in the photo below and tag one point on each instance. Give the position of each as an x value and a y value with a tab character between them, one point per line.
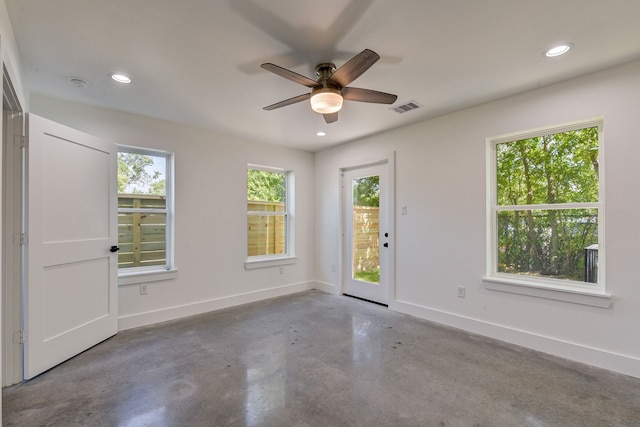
441	242
210	224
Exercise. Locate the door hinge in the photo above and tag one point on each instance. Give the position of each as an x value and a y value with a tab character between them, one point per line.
20	239
20	141
19	337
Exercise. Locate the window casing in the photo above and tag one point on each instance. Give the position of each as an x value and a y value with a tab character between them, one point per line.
270	217
545	208
145	210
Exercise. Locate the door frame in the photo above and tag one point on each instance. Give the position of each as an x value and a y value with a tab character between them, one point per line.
389	160
13	122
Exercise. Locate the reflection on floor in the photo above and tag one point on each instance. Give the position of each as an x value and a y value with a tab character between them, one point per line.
314	359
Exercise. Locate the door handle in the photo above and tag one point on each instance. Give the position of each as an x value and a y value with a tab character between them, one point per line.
386	245
114	249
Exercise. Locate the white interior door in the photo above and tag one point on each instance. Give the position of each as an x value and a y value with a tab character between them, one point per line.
71	286
366	233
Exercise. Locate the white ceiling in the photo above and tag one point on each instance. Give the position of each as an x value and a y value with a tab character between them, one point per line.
198	61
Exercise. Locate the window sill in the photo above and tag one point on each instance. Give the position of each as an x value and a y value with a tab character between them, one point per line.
593	298
251	264
136	277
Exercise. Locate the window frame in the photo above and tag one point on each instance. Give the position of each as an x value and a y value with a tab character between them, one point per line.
131	275
545	287
272	260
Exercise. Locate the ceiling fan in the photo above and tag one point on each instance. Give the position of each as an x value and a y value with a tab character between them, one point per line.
328	92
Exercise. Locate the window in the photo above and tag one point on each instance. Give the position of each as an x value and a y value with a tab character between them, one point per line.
269	214
144	210
546	207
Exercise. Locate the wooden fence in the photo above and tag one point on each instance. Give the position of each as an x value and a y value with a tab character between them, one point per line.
141	236
366	238
266	235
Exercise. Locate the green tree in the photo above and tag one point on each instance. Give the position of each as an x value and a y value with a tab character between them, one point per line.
265	186
366	191
158	187
136	175
547	170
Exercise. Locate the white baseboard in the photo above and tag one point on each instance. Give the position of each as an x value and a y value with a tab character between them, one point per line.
627	365
326	287
176	312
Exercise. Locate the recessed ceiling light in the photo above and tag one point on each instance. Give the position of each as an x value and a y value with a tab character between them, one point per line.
120	78
321	133
558	50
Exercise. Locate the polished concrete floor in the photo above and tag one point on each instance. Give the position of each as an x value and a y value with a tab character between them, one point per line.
314	359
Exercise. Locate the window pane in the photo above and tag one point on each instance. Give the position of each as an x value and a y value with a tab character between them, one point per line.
142	239
560	244
142	186
141	174
141	201
556	168
366	229
266	186
266	235
261	206
266	192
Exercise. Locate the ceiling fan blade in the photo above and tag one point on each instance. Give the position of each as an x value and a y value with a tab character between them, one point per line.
330	118
289	101
288	74
354	68
368	95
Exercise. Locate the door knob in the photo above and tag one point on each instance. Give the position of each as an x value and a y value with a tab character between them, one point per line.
114	249
386	245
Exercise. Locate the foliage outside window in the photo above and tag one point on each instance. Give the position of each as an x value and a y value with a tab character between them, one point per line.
268	212
546	209
144	217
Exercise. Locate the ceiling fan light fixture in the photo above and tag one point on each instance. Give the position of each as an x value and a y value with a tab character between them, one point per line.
326	100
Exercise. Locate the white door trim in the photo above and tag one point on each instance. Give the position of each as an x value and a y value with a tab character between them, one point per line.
12	224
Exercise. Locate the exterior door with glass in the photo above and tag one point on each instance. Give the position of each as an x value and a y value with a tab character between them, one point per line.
366	233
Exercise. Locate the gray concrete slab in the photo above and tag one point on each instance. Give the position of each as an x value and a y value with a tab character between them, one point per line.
314	359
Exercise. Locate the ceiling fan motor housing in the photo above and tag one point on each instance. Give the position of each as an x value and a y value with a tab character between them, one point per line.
325	70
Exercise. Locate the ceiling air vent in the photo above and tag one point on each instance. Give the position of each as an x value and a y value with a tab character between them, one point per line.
408	106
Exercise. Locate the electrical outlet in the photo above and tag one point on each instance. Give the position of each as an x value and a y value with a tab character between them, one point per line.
143	289
281	270
333	268
461	292
403	210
